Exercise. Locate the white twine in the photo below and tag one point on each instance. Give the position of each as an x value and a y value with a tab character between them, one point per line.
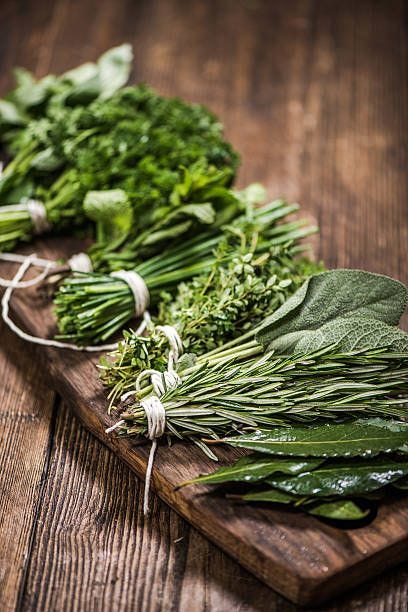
138	288
46	264
80	262
153	407
176	345
37	212
17	283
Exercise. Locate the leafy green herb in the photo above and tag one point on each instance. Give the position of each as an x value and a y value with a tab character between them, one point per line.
329	488
349	308
357	438
83	132
80	85
255	467
340	510
345	478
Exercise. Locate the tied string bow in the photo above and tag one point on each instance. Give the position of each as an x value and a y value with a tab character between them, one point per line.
152	405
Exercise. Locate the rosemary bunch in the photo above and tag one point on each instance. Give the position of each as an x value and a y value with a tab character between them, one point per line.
220	395
92	307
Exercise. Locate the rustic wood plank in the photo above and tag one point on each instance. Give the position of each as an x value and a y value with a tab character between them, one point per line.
26	424
26	403
300	557
320	69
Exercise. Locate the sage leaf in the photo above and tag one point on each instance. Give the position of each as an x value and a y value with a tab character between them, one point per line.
257	467
361	437
350	308
342	478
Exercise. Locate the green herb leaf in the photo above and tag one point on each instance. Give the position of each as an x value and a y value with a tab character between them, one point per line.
343	478
362	437
273	496
350	308
341	510
114	69
112	212
257	467
11	114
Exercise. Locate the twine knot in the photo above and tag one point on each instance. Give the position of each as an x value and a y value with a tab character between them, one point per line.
80	262
138	288
38	214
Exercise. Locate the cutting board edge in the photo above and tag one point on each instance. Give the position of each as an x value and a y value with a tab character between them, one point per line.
299	588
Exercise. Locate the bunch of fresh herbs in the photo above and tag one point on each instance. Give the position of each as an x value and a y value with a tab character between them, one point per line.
146	163
319	390
336	471
92	307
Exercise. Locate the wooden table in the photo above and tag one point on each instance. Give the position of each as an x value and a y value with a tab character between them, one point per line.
314	95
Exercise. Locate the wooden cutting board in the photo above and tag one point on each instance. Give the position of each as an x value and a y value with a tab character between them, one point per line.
303	558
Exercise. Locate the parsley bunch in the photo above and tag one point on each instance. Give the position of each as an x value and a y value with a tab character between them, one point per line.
70	149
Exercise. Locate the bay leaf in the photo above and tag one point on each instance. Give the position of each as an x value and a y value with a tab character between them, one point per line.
257	467
343	478
360	437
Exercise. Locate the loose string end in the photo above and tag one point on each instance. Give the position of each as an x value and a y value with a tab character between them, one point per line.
149	469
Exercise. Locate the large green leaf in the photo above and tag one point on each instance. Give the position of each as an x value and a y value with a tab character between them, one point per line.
103	78
350	308
257	467
114	69
362	437
343	478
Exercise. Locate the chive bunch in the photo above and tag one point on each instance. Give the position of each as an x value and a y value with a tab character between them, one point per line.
92	307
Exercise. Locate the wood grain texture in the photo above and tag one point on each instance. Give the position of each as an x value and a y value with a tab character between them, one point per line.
314	94
297	555
25	421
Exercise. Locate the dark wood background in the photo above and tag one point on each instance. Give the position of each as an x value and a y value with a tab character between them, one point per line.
314	96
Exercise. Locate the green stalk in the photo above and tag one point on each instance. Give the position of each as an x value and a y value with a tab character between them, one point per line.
91	308
214	399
